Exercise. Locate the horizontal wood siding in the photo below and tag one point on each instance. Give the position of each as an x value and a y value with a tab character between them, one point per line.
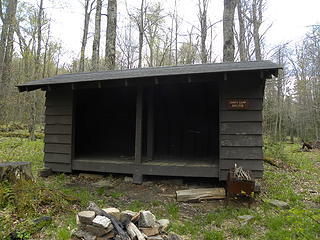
59	119
241	116
52	138
241	153
57	158
241	130
58	130
241	140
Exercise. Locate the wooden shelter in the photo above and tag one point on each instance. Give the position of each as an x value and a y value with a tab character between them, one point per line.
190	120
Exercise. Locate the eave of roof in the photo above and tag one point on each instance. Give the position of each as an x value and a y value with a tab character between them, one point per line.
151	72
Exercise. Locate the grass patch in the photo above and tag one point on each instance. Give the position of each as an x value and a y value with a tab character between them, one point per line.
296	182
173	210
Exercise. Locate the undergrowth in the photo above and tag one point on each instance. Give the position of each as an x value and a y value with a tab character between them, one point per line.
296	182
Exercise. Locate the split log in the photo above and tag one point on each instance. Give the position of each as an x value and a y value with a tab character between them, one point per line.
13	171
200	194
117	224
134	232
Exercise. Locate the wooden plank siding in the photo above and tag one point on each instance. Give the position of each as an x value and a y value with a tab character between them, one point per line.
241	130
58	130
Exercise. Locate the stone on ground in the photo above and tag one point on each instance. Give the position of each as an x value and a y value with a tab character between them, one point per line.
278	203
164	224
246	218
173	236
96	230
147	219
86	217
103	184
128	179
150	231
113	212
157	237
83	235
101	221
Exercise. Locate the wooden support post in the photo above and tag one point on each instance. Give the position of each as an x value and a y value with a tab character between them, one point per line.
150	136
137	176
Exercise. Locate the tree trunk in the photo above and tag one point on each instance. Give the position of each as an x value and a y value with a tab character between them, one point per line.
203	29
7	47
141	28
110	57
96	38
85	34
257	20
37	70
242	48
228	34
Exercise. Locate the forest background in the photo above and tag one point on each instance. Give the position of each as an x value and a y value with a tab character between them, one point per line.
117	34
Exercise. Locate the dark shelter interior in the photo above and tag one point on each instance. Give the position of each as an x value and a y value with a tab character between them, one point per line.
184	123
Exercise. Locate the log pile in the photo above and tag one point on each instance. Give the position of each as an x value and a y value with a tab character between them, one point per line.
102	224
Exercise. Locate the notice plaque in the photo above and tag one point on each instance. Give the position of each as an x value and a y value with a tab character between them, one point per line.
238	104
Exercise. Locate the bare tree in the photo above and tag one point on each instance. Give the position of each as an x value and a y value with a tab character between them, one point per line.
141	30
96	38
242	31
228	33
110	53
6	44
257	7
87	12
203	7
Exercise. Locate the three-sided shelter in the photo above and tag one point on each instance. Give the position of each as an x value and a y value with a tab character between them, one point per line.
191	120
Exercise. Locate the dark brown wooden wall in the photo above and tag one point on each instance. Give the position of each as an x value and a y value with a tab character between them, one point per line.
241	130
58	130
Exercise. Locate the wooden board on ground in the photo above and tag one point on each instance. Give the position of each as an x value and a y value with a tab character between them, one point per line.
199	194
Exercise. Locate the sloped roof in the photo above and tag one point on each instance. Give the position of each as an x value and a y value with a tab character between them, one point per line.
151	72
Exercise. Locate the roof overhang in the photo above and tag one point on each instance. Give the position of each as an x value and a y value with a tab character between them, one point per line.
142	73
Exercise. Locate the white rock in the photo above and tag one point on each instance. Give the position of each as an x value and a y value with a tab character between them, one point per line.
101	221
86	217
246	217
278	203
147	219
128	179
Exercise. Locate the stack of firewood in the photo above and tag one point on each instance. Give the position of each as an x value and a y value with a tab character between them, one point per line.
102	224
